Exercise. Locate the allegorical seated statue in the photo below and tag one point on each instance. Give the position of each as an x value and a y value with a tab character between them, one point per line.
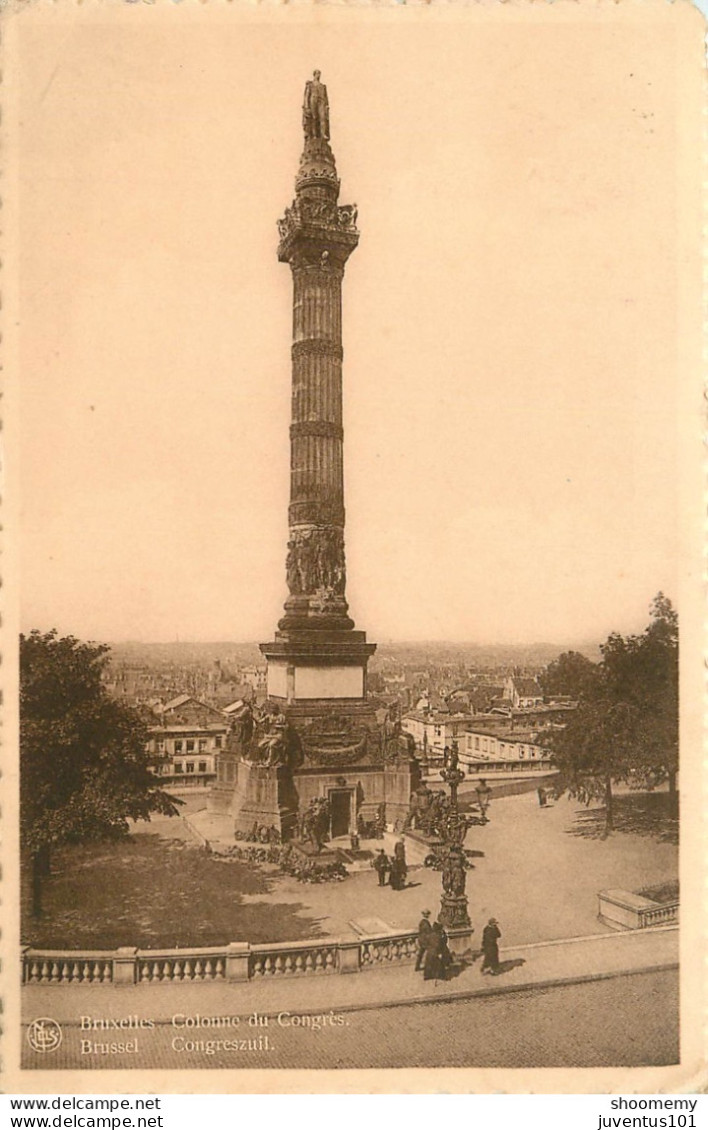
315	109
274	746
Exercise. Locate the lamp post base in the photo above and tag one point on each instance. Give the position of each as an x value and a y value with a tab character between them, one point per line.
453	912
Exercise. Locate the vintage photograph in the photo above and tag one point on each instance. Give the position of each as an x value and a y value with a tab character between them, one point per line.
352	441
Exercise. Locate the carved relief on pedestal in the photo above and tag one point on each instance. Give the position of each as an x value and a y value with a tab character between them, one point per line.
315	562
334	740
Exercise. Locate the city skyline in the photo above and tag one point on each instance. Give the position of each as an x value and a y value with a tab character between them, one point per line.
509	336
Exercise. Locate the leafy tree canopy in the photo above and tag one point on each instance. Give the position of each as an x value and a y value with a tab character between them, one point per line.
626	724
83	761
570	674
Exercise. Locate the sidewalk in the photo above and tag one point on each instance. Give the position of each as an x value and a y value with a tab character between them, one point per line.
541	965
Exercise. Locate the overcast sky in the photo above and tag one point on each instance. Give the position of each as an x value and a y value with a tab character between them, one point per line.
510	324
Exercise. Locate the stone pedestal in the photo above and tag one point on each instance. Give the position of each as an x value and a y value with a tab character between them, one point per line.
349	955
459	940
237	959
309	853
265	796
124	965
453	911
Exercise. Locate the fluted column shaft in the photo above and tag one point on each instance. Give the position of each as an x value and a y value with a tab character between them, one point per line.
316	437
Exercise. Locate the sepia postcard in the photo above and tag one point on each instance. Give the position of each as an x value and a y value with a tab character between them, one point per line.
352	616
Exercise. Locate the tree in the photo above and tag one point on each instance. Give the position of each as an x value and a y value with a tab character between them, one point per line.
84	769
595	749
569	674
626	724
644	671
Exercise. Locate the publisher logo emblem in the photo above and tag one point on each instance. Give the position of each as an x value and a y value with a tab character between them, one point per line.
44	1034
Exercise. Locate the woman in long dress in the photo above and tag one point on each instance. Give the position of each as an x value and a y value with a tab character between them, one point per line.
399	868
432	964
437	954
490	947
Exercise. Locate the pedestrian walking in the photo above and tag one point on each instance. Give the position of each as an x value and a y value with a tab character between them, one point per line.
542	796
437	954
432	965
484	795
382	865
399	867
490	947
424	931
445	955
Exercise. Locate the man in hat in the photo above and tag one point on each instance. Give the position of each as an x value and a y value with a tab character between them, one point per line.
490	947
382	865
424	930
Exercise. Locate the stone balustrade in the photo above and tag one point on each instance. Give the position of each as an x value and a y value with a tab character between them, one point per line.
54	967
388	950
238	961
625	910
175	965
659	915
293	958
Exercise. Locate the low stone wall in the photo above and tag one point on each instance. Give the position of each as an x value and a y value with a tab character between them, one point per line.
238	961
624	910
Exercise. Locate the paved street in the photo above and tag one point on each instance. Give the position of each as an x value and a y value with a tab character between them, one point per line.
627	1021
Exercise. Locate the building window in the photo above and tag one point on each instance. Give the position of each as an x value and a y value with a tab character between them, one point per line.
178	747
190	766
476	743
217	741
179	768
202	766
161	745
190	745
202	744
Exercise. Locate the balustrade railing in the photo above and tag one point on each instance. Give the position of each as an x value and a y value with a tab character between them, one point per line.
389	949
293	959
55	967
626	910
175	965
659	915
237	962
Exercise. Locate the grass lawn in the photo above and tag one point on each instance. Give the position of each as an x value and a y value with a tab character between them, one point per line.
150	891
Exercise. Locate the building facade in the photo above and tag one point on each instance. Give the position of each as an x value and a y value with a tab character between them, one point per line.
489	751
185	743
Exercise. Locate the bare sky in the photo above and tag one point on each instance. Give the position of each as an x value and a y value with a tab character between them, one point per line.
510	322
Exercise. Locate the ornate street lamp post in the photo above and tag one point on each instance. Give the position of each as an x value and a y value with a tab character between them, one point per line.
453	903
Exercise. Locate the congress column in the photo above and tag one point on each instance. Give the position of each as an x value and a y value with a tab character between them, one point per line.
317	237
